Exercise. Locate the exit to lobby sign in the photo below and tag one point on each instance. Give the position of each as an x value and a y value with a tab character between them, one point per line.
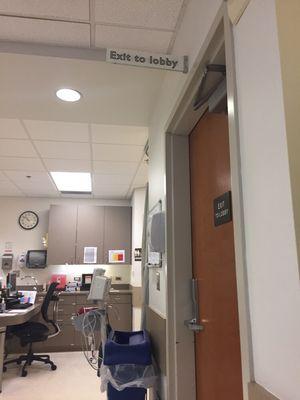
141	59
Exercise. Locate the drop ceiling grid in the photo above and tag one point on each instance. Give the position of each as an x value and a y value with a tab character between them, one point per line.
103	182
93	23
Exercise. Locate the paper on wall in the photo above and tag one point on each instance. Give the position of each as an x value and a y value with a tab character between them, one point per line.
90	255
116	256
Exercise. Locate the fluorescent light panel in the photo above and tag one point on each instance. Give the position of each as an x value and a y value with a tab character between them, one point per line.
73	182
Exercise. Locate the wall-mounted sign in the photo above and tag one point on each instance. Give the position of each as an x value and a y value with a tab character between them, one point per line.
137	254
222	209
116	256
142	59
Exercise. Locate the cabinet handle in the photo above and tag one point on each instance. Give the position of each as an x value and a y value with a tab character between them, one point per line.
60	320
60	309
73	304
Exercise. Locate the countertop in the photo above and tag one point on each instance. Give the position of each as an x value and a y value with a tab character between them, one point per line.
85	292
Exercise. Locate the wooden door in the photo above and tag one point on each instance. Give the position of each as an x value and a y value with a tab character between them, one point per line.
218	358
117	231
90	231
62	234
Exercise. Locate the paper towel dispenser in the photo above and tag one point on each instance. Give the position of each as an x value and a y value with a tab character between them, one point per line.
157	233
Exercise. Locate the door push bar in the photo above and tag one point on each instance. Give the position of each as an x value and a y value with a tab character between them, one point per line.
194	323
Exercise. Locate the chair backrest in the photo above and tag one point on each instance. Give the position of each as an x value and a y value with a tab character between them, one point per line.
46	302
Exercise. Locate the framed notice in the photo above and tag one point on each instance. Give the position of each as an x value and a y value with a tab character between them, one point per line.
116	256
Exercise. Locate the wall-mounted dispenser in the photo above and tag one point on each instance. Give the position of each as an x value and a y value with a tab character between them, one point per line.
7	261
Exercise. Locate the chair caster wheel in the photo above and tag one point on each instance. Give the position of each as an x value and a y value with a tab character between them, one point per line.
4	369
53	367
24	373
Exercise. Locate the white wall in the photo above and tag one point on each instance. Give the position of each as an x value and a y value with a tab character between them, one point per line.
138	205
10	231
270	238
196	23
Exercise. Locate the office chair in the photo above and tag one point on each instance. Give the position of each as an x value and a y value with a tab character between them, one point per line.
32	332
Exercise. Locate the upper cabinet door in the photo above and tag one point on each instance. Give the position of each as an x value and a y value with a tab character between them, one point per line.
62	234
90	227
117	231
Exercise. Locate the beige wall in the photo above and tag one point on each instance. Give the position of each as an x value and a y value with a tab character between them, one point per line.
288	17
271	251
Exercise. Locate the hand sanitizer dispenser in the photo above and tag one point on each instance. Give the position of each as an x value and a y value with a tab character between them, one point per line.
7	261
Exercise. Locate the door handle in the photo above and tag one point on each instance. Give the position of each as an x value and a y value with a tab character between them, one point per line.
194	323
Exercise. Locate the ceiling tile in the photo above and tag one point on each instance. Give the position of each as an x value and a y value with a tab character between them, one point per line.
63	150
21	176
43	31
150	13
53	164
107	152
39	183
23	164
16	148
57	130
113	180
39	190
9	189
118	168
110	191
69	9
3	177
115	134
12	129
130	38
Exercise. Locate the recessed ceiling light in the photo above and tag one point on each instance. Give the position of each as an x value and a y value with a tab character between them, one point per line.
73	182
68	94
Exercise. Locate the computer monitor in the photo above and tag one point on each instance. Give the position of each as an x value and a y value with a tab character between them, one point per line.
36	259
100	286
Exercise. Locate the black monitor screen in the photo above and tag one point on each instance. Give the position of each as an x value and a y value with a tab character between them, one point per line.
36	258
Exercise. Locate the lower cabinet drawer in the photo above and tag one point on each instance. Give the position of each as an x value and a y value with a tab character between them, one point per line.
120	317
67	309
64	341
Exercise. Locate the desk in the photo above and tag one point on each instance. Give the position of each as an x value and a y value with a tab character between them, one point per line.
13	317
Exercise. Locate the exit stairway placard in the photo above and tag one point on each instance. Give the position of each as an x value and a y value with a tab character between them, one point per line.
222	209
142	59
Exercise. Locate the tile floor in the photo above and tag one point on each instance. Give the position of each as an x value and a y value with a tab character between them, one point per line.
74	379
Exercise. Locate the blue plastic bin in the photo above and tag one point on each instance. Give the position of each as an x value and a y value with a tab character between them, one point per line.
127	348
126	394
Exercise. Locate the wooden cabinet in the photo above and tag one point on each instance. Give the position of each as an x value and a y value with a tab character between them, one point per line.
62	234
119	314
90	231
72	228
117	225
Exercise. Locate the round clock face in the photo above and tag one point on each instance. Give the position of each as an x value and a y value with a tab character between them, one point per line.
28	220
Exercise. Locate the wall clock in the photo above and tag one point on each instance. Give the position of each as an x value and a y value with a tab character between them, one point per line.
28	220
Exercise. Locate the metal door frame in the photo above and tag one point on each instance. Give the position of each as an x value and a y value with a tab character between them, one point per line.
180	341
